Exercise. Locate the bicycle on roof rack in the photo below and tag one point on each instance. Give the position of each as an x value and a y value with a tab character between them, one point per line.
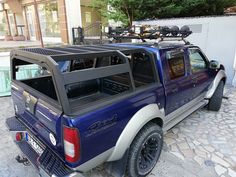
148	32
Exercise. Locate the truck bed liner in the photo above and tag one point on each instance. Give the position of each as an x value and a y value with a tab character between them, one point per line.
88	99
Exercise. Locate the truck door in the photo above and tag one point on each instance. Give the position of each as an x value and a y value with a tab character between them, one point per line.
200	75
178	85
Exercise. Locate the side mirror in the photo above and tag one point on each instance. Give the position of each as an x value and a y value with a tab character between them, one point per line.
214	64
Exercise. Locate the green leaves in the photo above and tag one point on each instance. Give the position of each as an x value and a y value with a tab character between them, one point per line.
130	10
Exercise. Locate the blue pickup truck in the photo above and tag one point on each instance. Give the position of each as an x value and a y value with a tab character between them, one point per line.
82	106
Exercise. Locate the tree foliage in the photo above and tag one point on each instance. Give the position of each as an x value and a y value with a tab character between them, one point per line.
129	10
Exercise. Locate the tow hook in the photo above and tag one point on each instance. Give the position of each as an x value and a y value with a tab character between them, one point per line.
21	159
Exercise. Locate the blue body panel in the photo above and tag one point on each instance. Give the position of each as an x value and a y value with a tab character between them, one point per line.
99	130
46	120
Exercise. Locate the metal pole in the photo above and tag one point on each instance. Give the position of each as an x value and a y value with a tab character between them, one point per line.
38	22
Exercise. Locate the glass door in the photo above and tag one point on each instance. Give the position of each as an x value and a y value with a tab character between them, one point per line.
12	23
31	24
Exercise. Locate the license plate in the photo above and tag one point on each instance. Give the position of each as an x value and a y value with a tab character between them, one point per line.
34	144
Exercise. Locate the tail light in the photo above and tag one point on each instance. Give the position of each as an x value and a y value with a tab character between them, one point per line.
71	144
19	136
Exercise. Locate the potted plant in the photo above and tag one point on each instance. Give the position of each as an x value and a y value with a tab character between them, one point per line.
8	37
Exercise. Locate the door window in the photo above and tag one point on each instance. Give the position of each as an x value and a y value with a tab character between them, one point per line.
176	63
197	60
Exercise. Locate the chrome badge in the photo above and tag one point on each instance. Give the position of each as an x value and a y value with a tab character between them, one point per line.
16	108
52	139
28	99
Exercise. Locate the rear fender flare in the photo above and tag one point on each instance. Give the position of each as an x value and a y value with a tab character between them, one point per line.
220	75
140	118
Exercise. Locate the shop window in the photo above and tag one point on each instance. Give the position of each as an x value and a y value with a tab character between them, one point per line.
88	17
2	24
48	14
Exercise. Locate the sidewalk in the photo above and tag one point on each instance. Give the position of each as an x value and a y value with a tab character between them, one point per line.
6	46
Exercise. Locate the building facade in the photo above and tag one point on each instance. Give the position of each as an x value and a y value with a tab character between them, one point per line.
57	17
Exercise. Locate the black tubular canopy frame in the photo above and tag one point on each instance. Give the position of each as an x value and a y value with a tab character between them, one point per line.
50	57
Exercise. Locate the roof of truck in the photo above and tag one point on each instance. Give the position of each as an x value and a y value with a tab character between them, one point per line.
160	45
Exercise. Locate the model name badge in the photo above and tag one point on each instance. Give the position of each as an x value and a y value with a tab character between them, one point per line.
101	125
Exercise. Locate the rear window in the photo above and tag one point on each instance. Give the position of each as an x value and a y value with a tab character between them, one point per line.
34	76
142	69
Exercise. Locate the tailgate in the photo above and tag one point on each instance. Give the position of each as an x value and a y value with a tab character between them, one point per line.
41	118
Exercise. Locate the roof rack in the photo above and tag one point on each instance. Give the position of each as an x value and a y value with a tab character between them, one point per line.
159	33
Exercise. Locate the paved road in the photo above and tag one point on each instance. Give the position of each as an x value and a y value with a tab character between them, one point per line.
203	145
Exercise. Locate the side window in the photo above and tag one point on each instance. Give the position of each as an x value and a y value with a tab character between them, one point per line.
176	63
197	60
142	69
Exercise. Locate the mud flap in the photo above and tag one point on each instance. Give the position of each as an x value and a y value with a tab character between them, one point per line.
118	168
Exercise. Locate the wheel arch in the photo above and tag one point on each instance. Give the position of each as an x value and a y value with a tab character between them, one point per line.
224	80
221	75
149	113
158	121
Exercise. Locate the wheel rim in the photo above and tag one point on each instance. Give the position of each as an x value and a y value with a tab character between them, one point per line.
148	154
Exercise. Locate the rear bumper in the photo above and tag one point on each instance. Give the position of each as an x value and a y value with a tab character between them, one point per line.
48	164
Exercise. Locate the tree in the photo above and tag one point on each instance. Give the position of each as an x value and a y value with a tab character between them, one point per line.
129	10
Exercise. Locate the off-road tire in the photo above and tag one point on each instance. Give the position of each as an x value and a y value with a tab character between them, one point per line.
150	133
216	99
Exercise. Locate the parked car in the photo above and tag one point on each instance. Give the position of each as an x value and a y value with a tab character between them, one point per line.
86	105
